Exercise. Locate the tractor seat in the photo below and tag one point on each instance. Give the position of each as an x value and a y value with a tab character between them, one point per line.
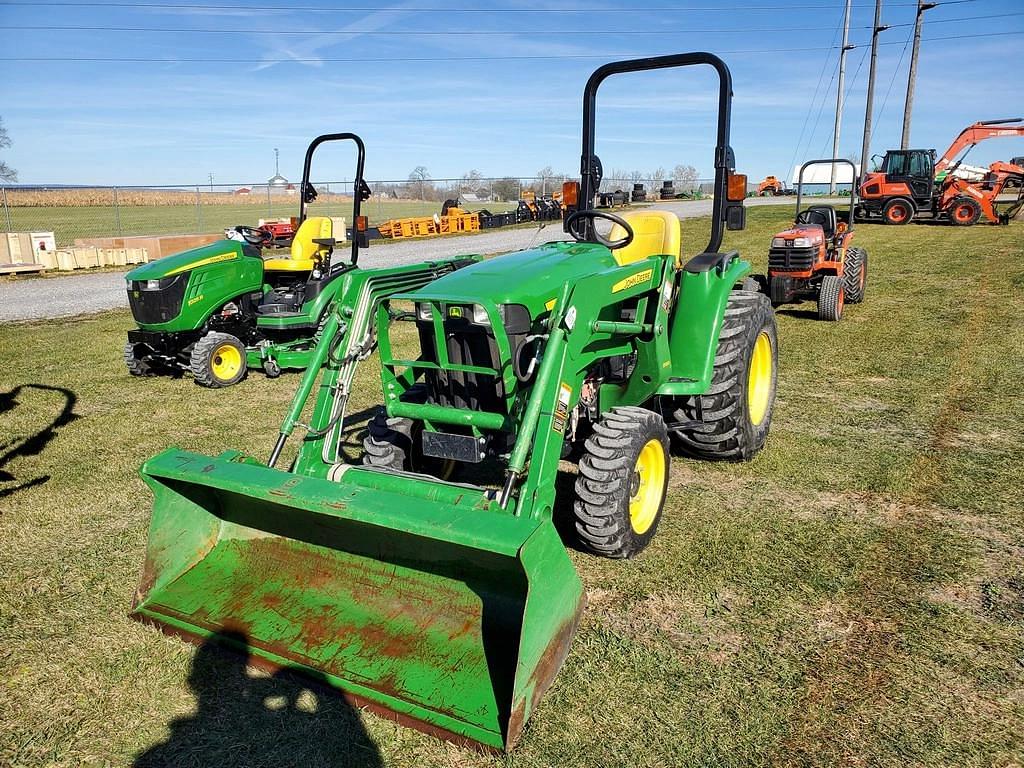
655	233
822	215
305	249
288	265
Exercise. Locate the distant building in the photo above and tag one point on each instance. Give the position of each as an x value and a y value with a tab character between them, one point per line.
243	191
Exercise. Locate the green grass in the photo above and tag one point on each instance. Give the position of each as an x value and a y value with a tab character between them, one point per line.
71	222
853	596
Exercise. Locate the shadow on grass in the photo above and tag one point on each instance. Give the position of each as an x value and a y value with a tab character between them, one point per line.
259	721
800	314
34	444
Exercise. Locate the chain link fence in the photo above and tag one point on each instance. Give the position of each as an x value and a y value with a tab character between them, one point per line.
81	212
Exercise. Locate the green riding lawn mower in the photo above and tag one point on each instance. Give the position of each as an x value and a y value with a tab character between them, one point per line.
429	582
218	310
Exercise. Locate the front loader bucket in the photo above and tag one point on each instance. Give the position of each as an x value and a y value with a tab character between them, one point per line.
418	599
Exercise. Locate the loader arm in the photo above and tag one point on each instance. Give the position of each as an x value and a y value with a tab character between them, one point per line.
976	133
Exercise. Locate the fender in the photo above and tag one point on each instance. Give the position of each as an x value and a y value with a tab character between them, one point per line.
704	287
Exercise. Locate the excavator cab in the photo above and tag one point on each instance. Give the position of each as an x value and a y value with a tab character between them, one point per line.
913	167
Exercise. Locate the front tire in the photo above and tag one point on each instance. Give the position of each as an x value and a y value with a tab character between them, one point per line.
855	274
964	212
623	477
135	365
831	298
393	443
730	421
218	360
898	211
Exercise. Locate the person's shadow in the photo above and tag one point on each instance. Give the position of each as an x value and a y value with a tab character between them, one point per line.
260	721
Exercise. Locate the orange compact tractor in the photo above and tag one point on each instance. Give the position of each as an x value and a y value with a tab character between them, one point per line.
813	260
771	185
912	184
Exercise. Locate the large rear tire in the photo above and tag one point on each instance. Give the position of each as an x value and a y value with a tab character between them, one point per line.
731	420
831	298
855	275
623	477
218	360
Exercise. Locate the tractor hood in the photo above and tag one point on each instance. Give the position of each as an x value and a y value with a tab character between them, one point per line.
813	232
214	253
531	278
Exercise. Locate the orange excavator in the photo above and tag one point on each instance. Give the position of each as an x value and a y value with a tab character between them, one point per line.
912	184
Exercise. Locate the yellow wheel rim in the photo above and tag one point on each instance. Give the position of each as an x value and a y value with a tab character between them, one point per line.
648	485
226	362
759	379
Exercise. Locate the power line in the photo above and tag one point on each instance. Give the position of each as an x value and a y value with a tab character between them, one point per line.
449	32
892	80
447	10
849	88
814	98
423	59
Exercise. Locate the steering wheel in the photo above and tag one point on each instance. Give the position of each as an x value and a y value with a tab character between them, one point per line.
612	245
254	235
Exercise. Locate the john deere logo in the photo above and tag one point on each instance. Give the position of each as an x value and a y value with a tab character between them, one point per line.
632	280
455	312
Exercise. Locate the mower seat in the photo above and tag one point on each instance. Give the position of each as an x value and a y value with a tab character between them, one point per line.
304	250
822	215
655	233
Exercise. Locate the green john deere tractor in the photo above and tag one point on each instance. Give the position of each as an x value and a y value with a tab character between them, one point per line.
218	310
451	603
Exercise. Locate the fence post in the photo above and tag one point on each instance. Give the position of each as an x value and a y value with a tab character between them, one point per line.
199	212
117	213
270	207
7	210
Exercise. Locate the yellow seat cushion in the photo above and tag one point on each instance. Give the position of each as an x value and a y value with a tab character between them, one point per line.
655	233
313	228
288	265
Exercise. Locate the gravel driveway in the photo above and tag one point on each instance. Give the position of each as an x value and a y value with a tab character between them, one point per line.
84	293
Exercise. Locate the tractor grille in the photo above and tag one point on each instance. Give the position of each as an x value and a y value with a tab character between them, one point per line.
790	259
157	305
467	345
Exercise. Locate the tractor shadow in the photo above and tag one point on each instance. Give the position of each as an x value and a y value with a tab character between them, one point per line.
20	447
242	720
800	314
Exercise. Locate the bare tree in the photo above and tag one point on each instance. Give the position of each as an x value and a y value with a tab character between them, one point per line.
471	180
544	174
685	176
6	172
419	176
657	176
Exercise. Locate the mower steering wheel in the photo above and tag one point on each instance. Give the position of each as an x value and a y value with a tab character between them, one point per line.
254	235
612	245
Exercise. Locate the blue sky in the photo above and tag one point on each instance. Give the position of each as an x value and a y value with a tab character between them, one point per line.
494	86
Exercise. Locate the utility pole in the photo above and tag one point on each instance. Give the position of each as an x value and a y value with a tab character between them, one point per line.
866	144
211	182
839	94
908	106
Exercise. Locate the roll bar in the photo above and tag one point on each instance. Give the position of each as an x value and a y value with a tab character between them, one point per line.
360	190
590	165
829	161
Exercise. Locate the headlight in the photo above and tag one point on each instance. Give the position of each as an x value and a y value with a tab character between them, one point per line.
778	242
480	316
424	312
801	242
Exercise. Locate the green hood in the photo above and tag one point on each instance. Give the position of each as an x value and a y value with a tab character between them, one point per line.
532	278
214	253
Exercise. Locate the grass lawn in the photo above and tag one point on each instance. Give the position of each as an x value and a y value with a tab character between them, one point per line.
853	596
